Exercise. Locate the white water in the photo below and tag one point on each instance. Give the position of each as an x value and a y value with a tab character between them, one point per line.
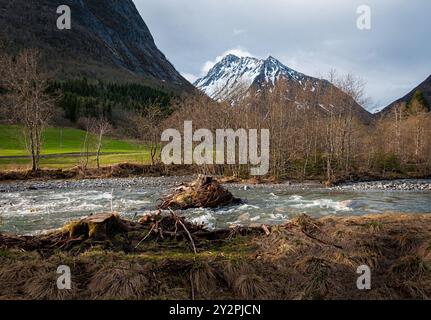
27	211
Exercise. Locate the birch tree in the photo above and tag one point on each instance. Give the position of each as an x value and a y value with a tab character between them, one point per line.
29	104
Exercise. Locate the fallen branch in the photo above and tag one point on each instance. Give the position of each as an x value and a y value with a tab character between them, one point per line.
146	236
178	220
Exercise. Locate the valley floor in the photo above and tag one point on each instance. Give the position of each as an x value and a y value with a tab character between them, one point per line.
65	148
155	259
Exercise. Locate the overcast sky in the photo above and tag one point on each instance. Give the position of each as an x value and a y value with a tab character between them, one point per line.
310	36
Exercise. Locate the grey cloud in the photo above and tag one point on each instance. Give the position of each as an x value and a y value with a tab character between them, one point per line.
312	36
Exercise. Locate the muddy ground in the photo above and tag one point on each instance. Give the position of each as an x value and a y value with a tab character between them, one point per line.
164	257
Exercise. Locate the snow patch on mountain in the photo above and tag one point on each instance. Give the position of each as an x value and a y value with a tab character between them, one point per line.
233	76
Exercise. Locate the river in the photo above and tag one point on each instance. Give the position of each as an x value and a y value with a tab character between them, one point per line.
34	207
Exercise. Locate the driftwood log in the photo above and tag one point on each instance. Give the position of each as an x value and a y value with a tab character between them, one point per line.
204	192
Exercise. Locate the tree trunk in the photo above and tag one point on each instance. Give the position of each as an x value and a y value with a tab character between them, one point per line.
99	148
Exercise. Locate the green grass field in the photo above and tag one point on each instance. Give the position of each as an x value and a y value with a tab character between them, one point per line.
58	141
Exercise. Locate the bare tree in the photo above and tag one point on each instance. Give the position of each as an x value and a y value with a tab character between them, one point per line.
318	132
26	86
146	127
87	125
398	112
100	128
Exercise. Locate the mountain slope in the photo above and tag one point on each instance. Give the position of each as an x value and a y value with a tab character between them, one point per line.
108	40
419	99
234	77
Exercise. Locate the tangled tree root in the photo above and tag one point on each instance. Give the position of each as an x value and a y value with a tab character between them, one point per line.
204	192
112	232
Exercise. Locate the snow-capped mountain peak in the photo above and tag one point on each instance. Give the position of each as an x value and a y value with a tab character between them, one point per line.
233	76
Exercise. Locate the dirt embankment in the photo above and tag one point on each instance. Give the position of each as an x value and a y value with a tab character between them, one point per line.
165	257
126	170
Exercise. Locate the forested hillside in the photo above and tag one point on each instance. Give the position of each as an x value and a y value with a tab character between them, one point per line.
82	98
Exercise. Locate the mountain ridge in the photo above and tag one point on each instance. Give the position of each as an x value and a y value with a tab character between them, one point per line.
108	40
423	89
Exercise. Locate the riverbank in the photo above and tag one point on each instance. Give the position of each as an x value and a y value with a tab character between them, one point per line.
131	170
173	180
125	170
155	259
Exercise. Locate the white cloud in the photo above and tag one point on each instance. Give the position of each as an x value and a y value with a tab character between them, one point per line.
190	77
207	67
239	52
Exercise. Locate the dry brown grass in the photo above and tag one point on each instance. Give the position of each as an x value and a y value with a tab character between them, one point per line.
203	280
119	281
303	259
43	286
245	282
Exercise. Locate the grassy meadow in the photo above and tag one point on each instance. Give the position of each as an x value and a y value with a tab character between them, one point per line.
65	149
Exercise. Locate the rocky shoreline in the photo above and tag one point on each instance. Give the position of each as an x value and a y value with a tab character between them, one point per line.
171	181
390	185
115	183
